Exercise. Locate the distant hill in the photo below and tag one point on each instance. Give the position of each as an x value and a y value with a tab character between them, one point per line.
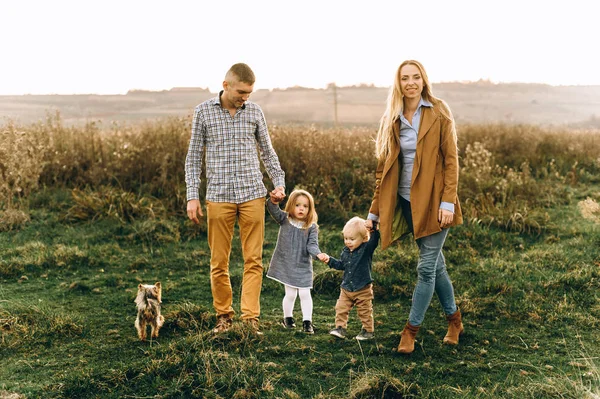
470	102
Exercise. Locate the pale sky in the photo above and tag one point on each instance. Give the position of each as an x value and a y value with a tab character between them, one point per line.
112	46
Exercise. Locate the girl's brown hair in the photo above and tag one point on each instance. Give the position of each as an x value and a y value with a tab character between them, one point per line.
311	217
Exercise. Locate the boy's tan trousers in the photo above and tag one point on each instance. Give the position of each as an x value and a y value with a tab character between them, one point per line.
363	300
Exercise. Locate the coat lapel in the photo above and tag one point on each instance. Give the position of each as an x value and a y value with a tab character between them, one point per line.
428	117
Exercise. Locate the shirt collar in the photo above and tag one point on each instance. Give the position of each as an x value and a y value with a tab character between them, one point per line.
296	223
424	103
218	100
355	249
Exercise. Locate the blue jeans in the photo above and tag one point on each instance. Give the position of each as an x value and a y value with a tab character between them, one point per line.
432	274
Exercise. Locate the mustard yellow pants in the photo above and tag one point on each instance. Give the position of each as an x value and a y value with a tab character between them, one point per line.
221	218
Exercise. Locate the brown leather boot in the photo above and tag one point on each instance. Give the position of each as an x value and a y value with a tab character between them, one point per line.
407	339
455	328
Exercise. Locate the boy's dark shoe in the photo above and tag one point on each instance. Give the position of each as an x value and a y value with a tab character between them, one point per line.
307	327
365	335
339	332
288	323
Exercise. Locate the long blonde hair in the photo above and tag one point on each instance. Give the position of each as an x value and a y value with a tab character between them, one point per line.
311	217
395	105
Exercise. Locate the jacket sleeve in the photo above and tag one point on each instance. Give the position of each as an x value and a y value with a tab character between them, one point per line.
449	149
336	263
313	241
276	212
374	210
373	241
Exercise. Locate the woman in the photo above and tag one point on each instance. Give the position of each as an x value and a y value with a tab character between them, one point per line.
415	190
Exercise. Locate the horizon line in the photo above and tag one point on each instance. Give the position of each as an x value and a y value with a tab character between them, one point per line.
486	82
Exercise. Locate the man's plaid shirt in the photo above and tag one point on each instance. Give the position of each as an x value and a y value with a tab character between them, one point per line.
232	166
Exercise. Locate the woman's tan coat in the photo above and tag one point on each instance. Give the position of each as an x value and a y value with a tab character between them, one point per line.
434	179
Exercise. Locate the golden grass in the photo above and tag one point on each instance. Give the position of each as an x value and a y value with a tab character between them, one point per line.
590	209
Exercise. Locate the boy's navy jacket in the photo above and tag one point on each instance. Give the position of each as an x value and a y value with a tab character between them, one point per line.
357	264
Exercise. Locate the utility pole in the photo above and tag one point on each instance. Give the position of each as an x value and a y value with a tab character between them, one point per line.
335	106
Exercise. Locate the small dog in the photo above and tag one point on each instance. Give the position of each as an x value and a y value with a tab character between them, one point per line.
148	302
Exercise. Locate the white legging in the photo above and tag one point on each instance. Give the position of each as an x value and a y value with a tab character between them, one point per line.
306	303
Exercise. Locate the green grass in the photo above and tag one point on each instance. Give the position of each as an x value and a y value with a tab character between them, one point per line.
531	309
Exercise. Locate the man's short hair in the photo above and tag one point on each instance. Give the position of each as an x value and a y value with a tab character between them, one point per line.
240	72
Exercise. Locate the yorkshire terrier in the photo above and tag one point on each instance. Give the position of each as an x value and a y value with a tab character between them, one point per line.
148	302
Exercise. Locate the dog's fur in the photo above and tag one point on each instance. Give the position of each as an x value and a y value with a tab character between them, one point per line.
148	302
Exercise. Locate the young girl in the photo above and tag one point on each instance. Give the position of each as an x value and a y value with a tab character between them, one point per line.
297	245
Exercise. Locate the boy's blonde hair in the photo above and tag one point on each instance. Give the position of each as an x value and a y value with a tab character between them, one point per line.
356	225
311	217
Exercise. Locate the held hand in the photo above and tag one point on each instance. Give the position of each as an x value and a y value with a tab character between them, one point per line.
194	210
278	194
445	217
274	197
323	257
369	224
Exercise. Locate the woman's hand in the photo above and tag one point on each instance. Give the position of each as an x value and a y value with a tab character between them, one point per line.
445	218
369	224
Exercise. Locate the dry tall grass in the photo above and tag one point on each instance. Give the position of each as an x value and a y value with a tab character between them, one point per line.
21	163
509	175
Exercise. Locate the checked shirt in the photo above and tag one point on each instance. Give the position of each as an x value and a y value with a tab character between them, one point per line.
231	146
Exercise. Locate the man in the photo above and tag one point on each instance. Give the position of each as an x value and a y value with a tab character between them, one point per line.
228	128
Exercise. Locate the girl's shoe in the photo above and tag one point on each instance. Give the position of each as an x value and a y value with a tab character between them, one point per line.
288	323
307	327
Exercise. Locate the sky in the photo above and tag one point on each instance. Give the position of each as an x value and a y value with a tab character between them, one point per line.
112	46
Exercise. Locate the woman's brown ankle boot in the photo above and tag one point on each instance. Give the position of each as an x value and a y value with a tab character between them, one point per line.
407	339
455	328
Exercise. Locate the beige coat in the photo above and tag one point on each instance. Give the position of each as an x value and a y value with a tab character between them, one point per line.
434	179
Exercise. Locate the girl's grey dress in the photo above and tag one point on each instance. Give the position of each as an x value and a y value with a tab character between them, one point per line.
291	263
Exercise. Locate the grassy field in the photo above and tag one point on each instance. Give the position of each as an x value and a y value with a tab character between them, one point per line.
526	270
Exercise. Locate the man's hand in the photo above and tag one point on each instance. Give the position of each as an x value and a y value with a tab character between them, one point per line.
445	218
194	210
323	257
278	194
275	197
